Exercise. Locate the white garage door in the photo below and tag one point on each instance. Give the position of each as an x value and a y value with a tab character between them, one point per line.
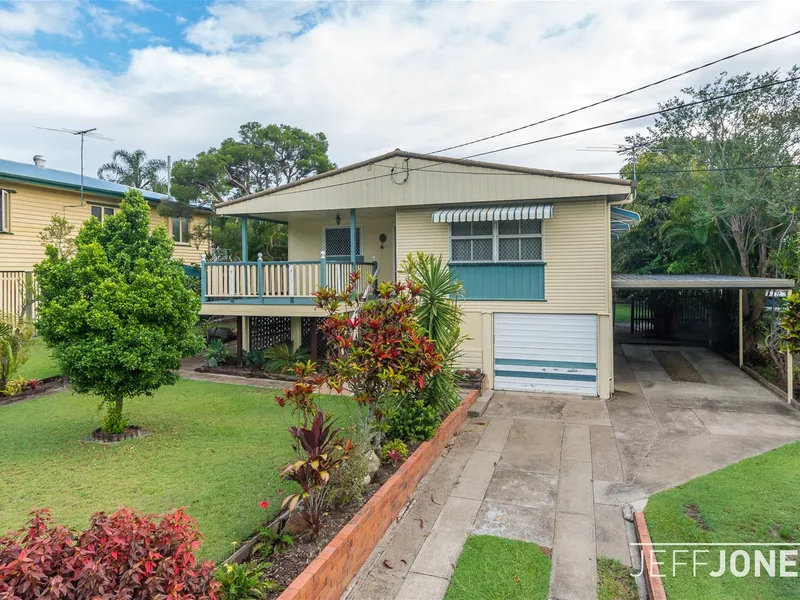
545	353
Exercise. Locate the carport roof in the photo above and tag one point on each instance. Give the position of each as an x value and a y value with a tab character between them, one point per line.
672	282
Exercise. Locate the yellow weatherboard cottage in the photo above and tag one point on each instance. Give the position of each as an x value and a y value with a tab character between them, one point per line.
532	247
31	194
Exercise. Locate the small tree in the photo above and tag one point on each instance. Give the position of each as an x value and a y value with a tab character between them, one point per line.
59	234
118	315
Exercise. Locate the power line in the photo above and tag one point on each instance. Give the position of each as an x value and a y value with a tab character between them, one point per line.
710	170
692	70
618	96
561	135
645	172
637	117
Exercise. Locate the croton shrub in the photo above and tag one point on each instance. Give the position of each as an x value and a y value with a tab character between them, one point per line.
122	555
379	349
379	352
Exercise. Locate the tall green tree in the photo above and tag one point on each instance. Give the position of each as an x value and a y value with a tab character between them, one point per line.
747	206
669	238
117	314
260	158
268	239
134	169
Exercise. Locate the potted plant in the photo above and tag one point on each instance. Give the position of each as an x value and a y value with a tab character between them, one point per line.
471	379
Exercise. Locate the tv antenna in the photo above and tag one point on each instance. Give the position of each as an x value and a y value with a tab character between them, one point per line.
84	133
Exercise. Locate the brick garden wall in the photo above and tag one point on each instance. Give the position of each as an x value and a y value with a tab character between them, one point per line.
328	576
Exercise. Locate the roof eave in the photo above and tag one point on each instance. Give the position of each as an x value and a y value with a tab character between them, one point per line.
435	158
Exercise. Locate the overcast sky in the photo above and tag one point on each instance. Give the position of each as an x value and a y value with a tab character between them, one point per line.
178	77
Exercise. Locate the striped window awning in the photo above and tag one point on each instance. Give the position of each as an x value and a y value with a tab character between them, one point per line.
522	212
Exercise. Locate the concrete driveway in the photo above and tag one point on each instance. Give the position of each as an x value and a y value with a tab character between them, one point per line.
557	470
668	432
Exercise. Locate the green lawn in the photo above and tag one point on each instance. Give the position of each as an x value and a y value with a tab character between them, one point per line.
215	448
40	363
493	568
614	581
622	313
755	500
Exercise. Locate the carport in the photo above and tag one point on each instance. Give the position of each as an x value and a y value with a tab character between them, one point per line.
710	282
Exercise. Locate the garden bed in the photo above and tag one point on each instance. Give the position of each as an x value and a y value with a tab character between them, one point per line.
325	567
237	371
44	386
287	565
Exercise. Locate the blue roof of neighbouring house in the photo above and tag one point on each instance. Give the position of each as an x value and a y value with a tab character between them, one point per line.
28	173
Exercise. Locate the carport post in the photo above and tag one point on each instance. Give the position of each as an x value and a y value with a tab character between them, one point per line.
741	329
789	377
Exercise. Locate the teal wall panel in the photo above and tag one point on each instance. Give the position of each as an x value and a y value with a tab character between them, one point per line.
501	281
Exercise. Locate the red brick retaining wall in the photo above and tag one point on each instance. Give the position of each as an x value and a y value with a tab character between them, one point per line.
652	576
328	576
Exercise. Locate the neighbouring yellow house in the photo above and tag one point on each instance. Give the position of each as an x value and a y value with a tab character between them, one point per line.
532	248
31	194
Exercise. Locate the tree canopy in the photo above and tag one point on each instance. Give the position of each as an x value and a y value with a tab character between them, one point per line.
262	157
717	190
117	314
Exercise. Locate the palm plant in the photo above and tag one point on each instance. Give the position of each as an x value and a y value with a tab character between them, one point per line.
280	358
135	170
14	338
439	313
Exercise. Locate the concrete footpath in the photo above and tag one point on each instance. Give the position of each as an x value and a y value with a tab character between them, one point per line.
557	471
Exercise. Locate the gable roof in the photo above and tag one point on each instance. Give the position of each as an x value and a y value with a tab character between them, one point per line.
28	173
436	159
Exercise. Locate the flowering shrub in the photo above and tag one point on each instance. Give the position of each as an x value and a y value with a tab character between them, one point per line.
123	555
381	351
324	452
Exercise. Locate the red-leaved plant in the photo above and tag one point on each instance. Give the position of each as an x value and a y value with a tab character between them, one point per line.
124	555
323	453
378	348
301	396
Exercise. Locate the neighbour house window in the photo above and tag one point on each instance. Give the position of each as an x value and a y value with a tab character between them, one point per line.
180	230
497	241
99	212
337	241
5	211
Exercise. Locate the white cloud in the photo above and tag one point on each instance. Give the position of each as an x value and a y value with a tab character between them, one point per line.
106	24
230	25
378	76
24	19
